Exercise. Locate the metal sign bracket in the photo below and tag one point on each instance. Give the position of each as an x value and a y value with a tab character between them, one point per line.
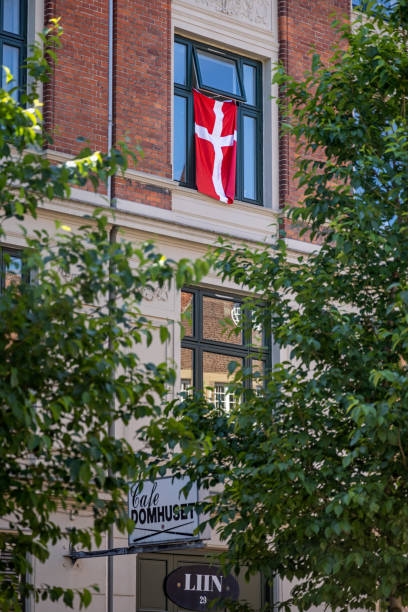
75	555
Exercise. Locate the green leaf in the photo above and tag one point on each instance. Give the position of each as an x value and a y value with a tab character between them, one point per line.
164	333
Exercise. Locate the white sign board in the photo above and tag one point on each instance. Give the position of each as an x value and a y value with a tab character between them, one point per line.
161	512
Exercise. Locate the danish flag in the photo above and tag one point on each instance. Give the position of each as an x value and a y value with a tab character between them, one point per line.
216	147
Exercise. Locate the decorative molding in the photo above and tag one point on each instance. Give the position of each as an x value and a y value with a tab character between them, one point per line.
159	294
194	217
150	179
300	246
256	12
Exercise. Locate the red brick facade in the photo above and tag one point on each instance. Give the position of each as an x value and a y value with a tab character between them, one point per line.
304	27
76	100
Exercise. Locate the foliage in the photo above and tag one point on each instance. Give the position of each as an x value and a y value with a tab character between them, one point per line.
314	468
69	370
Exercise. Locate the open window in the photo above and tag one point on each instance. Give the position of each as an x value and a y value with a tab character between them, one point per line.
222	75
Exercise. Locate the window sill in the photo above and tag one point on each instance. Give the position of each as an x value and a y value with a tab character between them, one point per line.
176	189
193	193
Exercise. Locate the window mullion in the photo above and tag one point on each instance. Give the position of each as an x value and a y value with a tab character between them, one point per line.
190	141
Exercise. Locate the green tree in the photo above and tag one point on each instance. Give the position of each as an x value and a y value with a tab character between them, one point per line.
314	467
69	369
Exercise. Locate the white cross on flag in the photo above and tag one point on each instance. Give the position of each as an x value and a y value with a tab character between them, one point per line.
216	147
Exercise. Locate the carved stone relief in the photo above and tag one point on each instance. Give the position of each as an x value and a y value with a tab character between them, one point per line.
159	294
212	5
256	12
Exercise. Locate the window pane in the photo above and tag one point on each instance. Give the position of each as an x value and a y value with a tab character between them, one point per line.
218	72
258	371
257	334
186	371
11	16
216	379
187	321
249	143
180	63
12	269
215	311
11	59
250	84
180	138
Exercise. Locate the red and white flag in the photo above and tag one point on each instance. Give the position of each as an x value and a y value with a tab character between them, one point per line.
216	147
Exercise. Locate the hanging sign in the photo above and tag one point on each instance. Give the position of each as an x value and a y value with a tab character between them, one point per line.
200	587
162	513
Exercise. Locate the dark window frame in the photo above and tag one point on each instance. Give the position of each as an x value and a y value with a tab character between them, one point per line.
13	252
6	562
199	345
244	109
16	40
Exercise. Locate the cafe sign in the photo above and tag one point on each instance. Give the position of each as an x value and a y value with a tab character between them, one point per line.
200	587
161	512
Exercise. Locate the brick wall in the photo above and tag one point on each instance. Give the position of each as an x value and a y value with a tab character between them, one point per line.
76	100
143	91
304	26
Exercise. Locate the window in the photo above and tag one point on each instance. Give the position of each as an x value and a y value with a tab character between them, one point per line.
223	398
13	40
223	75
11	268
209	344
362	4
9	577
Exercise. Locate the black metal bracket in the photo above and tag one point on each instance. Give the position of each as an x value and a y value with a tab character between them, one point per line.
74	555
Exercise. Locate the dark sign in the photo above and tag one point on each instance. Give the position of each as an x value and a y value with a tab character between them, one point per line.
200	587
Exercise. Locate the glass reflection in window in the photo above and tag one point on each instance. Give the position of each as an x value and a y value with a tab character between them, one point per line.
186	371
218	72
249	73
249	127
187	302
180	138
11	16
258	372
216	379
11	59
220	320
180	63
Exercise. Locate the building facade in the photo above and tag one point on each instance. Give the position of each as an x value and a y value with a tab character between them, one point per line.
127	69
